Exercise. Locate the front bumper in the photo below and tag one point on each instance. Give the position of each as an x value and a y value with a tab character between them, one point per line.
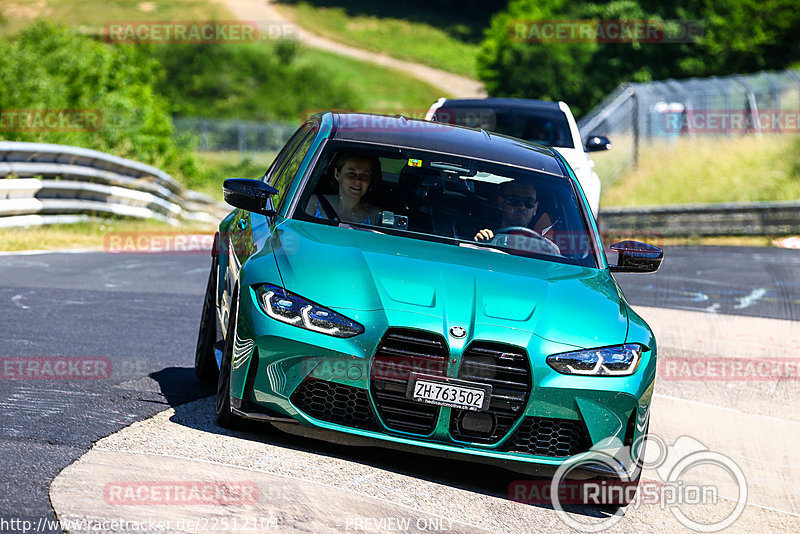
315	385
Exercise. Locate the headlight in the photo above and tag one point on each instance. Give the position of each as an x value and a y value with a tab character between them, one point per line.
607	361
293	309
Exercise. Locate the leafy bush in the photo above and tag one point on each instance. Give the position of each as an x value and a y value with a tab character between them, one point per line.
137	88
52	68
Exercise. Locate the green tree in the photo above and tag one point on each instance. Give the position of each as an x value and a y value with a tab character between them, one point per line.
511	66
740	36
52	68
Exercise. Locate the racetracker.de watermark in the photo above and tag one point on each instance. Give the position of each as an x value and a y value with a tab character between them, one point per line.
150	243
55	368
181	493
414	113
728	369
214	523
197	32
50	120
373	122
724	121
606	31
157	243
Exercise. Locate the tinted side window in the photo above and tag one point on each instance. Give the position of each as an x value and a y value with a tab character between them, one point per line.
284	176
286	152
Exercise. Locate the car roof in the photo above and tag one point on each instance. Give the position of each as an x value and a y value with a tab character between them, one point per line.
520	103
450	139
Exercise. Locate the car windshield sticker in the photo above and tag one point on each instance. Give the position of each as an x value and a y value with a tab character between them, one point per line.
415	163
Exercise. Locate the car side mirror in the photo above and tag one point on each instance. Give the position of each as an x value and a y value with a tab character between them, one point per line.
636	257
250	195
597	143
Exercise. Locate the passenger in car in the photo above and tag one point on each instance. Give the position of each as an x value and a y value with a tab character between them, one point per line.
355	175
518	204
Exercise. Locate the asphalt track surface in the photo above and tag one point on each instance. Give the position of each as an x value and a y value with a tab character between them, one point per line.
140	312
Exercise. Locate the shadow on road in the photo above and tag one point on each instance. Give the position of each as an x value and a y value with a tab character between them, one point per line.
179	385
473	477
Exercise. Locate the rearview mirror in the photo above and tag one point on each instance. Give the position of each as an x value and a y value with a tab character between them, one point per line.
595	143
636	257
250	195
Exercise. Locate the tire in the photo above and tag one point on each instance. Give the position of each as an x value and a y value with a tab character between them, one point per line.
225	418
205	361
636	475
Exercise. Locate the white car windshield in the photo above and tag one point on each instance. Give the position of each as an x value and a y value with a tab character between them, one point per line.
543	126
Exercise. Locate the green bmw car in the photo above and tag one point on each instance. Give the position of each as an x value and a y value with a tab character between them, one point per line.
427	287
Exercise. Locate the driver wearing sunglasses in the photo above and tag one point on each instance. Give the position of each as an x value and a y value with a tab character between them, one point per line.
518	204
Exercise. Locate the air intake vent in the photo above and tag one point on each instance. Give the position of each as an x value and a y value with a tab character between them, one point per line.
335	403
507	369
400	353
542	436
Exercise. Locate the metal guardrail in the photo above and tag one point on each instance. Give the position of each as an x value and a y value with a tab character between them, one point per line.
726	219
48	184
64	184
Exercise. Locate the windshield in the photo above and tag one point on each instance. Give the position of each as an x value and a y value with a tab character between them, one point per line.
438	197
543	126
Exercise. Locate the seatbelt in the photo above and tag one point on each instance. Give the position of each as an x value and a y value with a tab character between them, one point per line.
328	209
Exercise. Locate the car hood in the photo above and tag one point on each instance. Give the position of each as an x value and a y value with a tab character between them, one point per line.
349	269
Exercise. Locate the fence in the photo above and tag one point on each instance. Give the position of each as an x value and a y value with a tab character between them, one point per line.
44	183
637	113
242	136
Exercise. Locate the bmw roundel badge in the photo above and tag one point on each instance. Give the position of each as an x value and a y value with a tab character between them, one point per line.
458	332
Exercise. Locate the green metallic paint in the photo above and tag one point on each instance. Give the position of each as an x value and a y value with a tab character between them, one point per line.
462	286
382	280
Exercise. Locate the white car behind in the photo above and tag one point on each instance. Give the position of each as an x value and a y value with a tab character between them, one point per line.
549	123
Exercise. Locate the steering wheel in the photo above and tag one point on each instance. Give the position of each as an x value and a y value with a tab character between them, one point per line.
525	231
519	229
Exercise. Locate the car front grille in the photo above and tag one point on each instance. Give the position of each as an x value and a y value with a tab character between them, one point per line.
507	369
543	436
335	403
400	353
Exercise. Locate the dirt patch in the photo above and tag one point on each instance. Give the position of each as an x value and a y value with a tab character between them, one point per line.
24	10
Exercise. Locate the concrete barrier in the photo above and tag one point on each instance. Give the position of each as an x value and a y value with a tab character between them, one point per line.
733	219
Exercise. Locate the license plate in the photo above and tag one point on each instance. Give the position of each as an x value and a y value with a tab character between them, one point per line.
444	391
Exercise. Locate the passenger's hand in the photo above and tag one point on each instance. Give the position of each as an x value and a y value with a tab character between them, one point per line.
484	235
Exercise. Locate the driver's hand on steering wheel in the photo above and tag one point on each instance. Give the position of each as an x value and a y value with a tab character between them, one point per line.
484	235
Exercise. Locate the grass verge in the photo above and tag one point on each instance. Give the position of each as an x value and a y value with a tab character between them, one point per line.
88	235
689	171
401	38
93	15
378	89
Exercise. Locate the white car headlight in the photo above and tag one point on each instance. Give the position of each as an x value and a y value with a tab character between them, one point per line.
619	360
295	310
